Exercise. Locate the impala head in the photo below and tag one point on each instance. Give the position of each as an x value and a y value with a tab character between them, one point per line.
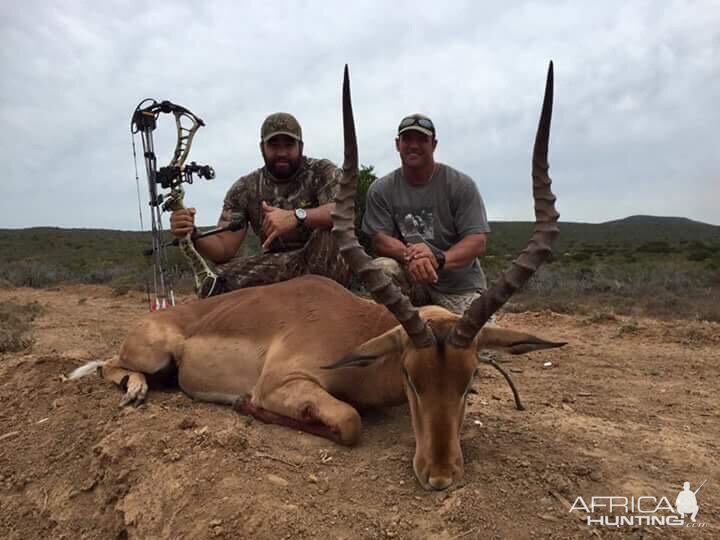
438	350
440	374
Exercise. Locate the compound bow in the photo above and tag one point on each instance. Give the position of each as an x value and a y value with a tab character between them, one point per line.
172	176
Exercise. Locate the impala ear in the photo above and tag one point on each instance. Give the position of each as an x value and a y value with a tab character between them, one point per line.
512	341
373	350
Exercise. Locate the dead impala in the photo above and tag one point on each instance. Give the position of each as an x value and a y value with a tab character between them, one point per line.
306	353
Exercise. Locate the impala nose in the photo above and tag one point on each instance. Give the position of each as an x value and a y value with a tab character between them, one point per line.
440	482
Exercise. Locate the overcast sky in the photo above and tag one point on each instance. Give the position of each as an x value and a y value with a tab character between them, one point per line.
635	125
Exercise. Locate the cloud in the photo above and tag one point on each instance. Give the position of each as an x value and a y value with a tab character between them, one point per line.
633	127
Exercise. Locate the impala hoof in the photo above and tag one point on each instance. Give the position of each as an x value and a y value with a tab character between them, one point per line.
136	391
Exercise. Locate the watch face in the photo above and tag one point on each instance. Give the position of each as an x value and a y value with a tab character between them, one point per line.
300	214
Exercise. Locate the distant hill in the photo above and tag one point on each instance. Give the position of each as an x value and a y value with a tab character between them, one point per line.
40	256
656	220
630	233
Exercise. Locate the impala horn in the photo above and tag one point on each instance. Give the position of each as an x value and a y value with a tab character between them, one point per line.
538	248
382	289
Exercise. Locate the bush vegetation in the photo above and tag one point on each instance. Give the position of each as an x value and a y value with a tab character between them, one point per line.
15	319
667	267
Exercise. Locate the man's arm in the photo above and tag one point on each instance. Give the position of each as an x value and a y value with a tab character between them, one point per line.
470	221
423	264
320	217
219	248
457	256
277	221
422	268
464	252
389	246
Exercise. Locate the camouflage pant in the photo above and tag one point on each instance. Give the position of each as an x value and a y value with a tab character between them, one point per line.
319	256
422	295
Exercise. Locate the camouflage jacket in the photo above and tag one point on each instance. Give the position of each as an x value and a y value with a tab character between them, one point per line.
313	185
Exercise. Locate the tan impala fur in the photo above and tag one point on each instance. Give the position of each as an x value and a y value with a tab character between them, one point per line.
308	353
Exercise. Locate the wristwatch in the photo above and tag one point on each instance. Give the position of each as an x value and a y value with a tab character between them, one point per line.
440	257
300	215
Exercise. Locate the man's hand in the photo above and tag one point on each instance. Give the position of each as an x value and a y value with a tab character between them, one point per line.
276	222
182	222
420	251
423	270
421	263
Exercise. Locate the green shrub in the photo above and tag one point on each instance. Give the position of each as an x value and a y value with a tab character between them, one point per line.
120	290
655	246
15	319
699	255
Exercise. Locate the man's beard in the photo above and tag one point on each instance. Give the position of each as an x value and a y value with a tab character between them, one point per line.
283	173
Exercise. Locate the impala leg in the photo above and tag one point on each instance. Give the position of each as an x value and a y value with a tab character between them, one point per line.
133	382
128	370
307	406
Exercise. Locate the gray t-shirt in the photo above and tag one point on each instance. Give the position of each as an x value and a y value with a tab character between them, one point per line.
440	213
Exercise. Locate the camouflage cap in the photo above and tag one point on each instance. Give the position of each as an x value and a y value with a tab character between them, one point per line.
418	122
281	124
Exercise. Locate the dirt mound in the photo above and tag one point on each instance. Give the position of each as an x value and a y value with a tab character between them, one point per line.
628	408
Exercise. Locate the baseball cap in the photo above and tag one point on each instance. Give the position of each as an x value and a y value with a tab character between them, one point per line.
418	122
280	124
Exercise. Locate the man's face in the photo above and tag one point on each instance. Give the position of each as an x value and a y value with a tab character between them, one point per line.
415	148
282	155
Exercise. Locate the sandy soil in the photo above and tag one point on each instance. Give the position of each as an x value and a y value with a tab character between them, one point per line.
628	408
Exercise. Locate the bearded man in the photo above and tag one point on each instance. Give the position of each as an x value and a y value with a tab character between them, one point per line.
288	203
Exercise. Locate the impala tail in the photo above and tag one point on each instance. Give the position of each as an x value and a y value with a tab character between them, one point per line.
85	370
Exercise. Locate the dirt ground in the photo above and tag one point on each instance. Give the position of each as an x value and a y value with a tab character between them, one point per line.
628	408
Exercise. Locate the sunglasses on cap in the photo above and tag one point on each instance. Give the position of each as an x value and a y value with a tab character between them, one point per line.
422	122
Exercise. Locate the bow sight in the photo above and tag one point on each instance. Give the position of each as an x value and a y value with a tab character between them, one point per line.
172	176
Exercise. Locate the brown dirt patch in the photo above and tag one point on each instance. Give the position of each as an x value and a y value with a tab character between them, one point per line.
628	408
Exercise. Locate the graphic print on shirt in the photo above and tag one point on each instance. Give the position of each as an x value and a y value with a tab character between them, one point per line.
415	225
